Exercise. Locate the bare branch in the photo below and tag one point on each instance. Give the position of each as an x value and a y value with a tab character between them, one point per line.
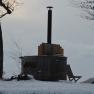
8	6
87	6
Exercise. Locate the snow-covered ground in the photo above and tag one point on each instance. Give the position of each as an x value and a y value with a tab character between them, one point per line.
45	87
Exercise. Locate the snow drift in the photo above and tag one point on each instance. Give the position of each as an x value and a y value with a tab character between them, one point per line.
44	87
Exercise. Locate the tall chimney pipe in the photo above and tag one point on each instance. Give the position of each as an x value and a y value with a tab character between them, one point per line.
49	31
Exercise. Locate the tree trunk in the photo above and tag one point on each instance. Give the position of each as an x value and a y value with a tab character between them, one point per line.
1	53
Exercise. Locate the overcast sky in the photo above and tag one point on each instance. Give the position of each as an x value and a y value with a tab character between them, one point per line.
26	28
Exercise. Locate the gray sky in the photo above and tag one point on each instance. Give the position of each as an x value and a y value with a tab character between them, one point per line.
28	27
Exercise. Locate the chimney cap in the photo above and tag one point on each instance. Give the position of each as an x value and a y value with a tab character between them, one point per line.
49	7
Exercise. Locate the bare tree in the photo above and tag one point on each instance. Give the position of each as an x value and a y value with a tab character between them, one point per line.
85	5
6	7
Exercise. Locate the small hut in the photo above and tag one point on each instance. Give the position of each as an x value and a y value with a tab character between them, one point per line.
50	63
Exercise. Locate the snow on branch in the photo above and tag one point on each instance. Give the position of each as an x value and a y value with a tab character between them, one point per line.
85	5
7	6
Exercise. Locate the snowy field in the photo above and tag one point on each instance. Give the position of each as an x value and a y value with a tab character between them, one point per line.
44	87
